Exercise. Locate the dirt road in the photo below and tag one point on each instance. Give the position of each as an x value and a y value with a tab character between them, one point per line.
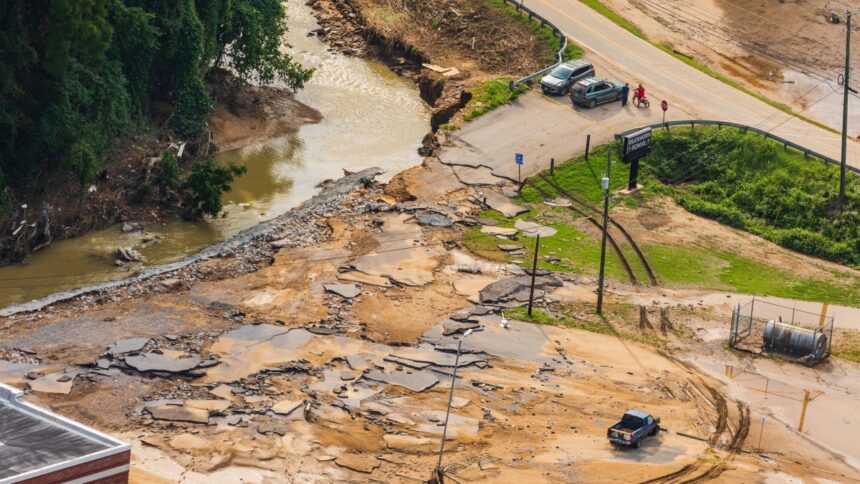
543	128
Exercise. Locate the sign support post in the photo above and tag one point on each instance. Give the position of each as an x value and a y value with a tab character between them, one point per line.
665	107
518	158
635	146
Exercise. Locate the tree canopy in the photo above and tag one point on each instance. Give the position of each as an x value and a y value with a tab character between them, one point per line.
76	73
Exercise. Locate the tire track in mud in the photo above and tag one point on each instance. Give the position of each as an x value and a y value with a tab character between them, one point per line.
651	275
597	224
738	436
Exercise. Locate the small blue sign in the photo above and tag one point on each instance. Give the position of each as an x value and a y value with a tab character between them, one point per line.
519	158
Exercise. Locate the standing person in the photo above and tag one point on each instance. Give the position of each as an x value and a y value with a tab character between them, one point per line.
625	93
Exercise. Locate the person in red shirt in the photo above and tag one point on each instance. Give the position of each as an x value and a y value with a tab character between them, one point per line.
639	93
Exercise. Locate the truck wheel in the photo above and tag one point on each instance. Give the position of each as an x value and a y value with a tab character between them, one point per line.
635	445
656	429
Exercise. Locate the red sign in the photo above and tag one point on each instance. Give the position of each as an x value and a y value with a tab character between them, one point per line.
665	106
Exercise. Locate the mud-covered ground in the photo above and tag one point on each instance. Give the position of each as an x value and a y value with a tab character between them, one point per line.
320	348
321	351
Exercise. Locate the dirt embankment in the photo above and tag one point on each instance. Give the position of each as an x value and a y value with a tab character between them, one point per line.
462	41
246	115
126	190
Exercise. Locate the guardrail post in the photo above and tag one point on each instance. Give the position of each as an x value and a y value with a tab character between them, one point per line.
587	146
552	166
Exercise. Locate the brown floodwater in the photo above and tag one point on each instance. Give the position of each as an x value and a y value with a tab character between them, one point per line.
372	117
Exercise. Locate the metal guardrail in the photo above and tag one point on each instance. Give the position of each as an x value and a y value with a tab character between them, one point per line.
543	22
705	122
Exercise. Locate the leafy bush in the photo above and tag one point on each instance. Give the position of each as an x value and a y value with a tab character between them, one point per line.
168	177
203	188
752	183
721	213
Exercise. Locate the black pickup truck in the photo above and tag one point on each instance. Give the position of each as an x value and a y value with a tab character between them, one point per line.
634	426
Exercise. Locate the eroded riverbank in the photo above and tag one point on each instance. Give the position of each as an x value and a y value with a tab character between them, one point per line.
370	117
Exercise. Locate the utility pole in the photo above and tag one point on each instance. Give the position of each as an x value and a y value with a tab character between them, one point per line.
806	401
438	474
605	185
847	88
534	273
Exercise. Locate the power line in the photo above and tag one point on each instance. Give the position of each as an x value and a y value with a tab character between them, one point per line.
706	26
723	34
652	168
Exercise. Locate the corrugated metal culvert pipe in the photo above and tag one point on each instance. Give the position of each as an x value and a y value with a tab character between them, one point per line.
784	338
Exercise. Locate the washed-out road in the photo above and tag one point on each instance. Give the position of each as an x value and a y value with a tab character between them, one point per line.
543	128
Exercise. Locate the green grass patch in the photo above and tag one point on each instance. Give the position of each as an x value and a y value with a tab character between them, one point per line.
701	267
575	250
593	324
489	95
617	19
846	344
581	176
739	179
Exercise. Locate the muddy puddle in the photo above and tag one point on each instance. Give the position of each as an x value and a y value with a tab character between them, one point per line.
371	118
822	101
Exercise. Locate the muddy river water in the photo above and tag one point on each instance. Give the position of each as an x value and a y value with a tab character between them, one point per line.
371	118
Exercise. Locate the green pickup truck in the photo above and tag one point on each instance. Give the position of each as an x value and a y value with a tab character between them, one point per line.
594	91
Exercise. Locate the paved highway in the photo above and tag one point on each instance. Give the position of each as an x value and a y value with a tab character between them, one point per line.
543	128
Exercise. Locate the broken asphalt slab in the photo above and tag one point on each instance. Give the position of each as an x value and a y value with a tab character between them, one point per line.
286	407
127	346
170	361
531	229
515	288
176	412
359	463
416	381
428	354
347	291
434	219
410	267
523	341
501	204
499	231
60	382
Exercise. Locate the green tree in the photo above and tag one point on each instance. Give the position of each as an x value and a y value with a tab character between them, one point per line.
168	177
135	48
203	188
251	42
73	73
77	29
193	104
